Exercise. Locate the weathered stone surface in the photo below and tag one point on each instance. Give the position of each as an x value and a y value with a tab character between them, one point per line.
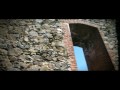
37	58
48	35
3	46
33	33
15	51
13	69
3	52
26	39
22	57
44	68
3	31
13	37
24	65
37	44
23	45
6	63
34	68
39	20
1	41
13	58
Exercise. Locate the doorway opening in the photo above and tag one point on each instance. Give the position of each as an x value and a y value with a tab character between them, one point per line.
89	38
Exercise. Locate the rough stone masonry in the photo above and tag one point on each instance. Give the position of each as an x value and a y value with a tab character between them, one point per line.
32	45
40	44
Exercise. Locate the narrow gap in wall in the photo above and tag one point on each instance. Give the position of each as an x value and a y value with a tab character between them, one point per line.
89	38
80	59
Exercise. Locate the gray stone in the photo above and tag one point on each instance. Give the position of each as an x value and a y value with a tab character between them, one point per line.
14	69
49	35
60	48
37	47
3	46
35	40
16	30
15	51
13	43
26	39
46	41
111	46
26	47
23	65
53	55
57	38
51	20
3	52
22	22
19	44
32	27
105	42
55	25
39	20
48	58
60	44
38	26
27	30
42	32
37	57
3	31
54	59
2	41
53	44
14	37
22	57
10	28
32	50
27	53
57	65
6	63
59	30
62	54
44	68
13	58
28	58
33	33
3	57
45	26
16	65
34	68
44	55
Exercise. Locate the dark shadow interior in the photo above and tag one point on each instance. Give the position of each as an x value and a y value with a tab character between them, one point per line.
90	40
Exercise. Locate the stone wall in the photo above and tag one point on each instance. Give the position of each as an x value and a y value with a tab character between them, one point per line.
46	45
32	44
107	29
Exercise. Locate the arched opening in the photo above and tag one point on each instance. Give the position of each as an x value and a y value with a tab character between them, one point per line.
90	40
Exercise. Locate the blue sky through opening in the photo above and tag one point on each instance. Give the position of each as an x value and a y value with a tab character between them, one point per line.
80	59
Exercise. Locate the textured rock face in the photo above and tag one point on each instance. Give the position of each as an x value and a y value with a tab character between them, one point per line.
32	45
37	44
